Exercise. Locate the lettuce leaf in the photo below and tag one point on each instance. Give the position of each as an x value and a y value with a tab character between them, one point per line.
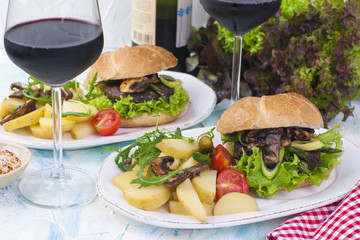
309	47
128	109
289	174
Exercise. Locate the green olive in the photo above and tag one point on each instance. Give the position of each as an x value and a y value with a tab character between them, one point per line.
206	145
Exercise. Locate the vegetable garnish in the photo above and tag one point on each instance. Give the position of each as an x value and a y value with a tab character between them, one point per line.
309	47
204	156
142	151
297	166
31	94
33	83
90	95
128	109
106	122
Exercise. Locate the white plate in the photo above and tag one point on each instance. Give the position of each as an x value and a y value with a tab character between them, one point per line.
202	97
341	181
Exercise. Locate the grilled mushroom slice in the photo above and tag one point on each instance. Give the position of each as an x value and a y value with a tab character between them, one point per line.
18	86
29	106
159	165
134	85
17	94
160	168
153	78
18	90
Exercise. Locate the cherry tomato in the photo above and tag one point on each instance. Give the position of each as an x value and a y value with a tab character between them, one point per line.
231	180
106	121
221	159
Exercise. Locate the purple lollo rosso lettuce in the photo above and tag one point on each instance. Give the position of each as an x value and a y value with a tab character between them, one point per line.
308	47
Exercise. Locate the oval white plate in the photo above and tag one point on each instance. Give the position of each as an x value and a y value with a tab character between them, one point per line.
282	204
202	97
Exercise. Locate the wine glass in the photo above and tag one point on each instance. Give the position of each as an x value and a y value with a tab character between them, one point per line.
55	41
239	17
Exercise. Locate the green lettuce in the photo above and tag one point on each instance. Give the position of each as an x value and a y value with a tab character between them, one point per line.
128	109
289	174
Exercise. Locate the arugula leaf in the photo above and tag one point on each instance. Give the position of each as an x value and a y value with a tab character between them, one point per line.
203	157
90	95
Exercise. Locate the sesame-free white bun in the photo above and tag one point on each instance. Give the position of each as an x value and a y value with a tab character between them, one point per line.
273	111
131	62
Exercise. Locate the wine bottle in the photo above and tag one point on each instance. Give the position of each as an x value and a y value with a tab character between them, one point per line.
165	23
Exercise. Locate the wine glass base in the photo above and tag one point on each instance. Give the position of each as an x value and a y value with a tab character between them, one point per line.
38	189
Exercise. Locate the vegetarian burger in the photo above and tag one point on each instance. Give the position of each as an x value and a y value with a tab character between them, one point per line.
275	144
127	80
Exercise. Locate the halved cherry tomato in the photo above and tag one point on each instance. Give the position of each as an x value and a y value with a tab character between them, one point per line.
231	180
221	159
106	121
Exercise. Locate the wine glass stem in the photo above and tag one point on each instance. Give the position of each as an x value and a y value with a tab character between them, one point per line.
236	69
58	171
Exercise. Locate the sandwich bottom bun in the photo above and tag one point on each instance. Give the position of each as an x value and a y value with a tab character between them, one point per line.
147	120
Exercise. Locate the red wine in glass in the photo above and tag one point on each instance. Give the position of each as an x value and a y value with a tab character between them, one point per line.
55	41
53	50
240	17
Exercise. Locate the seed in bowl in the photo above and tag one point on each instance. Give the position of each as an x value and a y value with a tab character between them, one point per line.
8	161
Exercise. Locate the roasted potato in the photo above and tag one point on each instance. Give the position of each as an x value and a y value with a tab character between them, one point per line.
190	200
235	202
147	198
188	163
68	106
25	120
47	124
176	207
82	130
177	148
122	180
39	132
11	104
205	185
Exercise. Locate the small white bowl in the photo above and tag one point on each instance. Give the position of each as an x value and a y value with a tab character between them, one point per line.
24	156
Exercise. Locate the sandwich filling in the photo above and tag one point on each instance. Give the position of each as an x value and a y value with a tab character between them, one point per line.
150	94
276	158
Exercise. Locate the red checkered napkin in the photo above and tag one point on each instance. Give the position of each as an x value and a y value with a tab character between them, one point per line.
340	220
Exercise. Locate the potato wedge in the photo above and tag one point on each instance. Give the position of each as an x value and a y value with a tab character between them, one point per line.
47	124
77	107
235	202
122	180
11	104
205	185
176	207
3	112
177	148
82	130
26	120
147	198
48	111
188	163
39	132
190	200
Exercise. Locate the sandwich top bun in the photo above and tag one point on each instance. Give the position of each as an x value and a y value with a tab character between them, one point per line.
131	62
281	110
